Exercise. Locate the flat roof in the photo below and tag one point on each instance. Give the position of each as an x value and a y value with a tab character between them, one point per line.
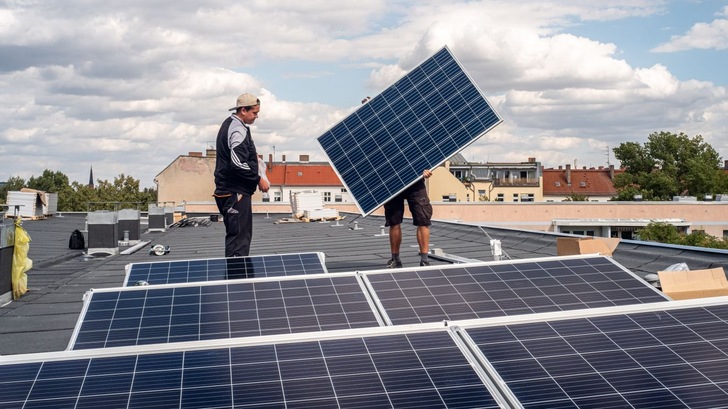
44	318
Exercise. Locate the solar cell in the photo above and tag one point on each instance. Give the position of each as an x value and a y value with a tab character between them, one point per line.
666	357
215	310
421	370
506	288
185	271
417	123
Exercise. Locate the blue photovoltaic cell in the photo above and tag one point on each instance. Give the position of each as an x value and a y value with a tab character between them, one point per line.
424	370
148	315
663	359
481	291
418	123
186	271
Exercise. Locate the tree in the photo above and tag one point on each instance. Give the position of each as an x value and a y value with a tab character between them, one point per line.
662	232
576	197
669	165
13	184
76	197
53	182
124	190
49	181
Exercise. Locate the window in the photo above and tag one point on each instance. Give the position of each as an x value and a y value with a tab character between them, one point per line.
725	233
527	197
499	198
327	196
277	196
337	198
515	197
343	190
266	198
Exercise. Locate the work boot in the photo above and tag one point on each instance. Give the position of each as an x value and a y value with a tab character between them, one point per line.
392	263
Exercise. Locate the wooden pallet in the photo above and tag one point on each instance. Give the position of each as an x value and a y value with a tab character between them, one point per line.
321	219
26	218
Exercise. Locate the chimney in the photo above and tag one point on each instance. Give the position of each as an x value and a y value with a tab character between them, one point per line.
531	160
303	158
283	158
611	172
568	174
211	153
561	167
195	154
270	162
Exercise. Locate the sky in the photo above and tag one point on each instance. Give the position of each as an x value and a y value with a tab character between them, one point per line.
127	87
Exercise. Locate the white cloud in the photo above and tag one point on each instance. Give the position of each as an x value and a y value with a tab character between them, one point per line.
127	88
713	35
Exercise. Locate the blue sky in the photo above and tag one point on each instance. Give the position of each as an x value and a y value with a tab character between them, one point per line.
638	36
127	88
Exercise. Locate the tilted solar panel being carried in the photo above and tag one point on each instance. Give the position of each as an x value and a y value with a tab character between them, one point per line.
216	310
187	271
506	288
407	370
659	357
418	123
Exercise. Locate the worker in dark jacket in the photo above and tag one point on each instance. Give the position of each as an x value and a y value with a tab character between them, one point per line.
236	175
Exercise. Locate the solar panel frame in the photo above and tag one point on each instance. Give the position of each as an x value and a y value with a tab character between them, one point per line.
420	121
413	366
165	313
668	354
487	289
211	269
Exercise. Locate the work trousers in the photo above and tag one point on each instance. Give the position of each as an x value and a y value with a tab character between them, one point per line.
237	214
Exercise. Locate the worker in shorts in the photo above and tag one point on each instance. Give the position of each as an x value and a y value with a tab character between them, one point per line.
421	210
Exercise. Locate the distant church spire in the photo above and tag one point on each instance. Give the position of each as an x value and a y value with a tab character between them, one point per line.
91	177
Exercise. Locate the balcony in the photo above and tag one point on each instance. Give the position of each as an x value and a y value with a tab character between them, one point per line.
519	182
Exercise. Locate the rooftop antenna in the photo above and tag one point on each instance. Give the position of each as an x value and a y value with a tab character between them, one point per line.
608	164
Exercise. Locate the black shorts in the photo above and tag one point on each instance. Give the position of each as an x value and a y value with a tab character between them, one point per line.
419	206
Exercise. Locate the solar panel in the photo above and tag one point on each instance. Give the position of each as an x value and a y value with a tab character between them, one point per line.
507	288
215	310
422	370
664	358
417	123
185	271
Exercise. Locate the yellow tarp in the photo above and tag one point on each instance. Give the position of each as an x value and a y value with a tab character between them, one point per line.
21	262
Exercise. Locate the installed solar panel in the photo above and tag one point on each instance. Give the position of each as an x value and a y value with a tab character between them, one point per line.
507	288
674	358
186	271
417	370
192	312
418	123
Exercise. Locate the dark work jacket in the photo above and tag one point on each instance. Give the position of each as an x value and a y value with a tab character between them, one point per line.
236	169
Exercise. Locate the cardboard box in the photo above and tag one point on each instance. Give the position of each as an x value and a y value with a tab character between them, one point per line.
567	246
687	284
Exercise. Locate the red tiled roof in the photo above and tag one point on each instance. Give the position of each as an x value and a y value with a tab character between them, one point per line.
303	174
596	182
